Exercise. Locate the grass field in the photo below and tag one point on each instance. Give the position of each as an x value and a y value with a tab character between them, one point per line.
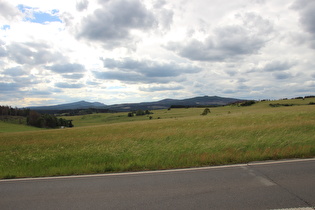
13	127
101	143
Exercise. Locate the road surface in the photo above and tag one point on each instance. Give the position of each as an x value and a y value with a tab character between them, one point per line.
262	185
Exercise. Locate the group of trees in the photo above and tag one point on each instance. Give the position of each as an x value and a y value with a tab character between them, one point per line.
34	118
248	103
47	120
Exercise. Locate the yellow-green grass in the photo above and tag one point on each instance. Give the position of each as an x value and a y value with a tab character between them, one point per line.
109	118
182	138
13	127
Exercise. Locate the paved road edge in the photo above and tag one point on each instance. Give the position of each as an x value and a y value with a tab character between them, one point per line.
268	162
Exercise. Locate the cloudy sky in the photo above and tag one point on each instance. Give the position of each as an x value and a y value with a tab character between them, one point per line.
117	51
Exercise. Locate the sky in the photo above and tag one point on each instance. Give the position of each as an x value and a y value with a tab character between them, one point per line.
127	51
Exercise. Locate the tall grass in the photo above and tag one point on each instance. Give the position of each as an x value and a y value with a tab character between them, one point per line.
228	135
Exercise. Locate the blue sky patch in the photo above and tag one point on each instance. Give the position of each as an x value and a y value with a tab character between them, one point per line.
5	27
40	17
35	16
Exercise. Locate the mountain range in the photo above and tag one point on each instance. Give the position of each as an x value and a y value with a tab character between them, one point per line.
163	104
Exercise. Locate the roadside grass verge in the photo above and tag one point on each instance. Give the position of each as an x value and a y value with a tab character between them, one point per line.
241	135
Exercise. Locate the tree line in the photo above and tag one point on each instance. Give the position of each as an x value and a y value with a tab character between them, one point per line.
10	111
139	112
36	119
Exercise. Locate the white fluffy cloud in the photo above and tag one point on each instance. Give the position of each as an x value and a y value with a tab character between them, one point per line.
117	51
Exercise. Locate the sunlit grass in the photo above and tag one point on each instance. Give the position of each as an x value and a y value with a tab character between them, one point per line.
181	138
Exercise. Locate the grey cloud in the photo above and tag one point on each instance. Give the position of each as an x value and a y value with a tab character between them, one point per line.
68	85
236	90
36	92
159	3
9	87
149	68
229	91
3	51
278	66
307	17
118	75
161	88
132	77
14	79
8	11
228	42
231	72
82	5
144	71
111	24
32	53
282	75
27	81
274	66
14	72
73	76
164	16
92	83
66	68
259	1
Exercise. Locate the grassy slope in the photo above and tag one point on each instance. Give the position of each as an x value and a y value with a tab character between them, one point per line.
13	127
182	138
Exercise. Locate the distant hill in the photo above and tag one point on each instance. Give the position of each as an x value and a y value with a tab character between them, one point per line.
163	104
166	103
75	105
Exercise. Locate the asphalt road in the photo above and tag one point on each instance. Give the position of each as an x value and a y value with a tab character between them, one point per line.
264	185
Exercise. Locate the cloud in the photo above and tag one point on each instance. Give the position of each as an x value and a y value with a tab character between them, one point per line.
68	85
274	66
307	17
122	76
150	68
259	1
3	51
82	5
37	92
278	66
227	42
8	11
112	23
32	53
66	68
282	75
156	88
144	71
14	71
9	87
163	15
73	76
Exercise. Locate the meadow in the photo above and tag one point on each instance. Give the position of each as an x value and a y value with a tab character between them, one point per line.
176	138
